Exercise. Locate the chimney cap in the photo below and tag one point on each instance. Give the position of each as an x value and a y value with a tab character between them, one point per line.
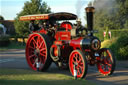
90	9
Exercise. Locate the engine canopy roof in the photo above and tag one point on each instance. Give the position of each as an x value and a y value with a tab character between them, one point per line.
55	16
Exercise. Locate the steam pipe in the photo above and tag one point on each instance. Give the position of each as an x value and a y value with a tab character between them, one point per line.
89	14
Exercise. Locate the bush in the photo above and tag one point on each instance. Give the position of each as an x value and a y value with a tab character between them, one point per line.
4	40
120	47
117	33
99	35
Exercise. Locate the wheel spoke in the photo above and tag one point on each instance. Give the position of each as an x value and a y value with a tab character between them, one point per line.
102	66
31	56
42	54
81	67
81	63
73	61
80	60
38	41
42	49
109	68
43	44
34	45
42	59
35	42
78	72
104	61
32	52
34	64
105	68
31	47
76	57
40	44
109	60
109	65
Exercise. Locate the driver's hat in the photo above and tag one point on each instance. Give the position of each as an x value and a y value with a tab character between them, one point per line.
78	19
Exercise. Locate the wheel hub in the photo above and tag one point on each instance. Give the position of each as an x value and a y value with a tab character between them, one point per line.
37	51
75	63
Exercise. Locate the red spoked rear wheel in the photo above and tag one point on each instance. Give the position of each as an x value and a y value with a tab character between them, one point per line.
106	62
78	58
37	50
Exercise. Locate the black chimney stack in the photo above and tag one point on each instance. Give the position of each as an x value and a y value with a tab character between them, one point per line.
89	14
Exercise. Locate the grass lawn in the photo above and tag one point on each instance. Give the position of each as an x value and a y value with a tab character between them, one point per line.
107	43
29	77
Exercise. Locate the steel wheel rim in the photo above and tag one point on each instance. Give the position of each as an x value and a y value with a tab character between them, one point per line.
36	43
76	57
105	64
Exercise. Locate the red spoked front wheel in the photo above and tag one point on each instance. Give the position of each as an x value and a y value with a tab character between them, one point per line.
78	59
106	62
37	51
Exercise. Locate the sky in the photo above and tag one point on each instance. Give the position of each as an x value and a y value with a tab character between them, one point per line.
10	8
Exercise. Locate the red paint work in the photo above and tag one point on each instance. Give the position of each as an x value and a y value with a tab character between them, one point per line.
87	50
41	31
55	50
66	25
63	35
76	43
58	43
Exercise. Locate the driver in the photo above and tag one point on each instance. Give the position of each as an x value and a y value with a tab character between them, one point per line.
46	24
79	28
33	26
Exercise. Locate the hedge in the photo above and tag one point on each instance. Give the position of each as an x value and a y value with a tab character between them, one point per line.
4	41
114	33
120	47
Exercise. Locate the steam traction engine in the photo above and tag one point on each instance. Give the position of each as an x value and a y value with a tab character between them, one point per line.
67	46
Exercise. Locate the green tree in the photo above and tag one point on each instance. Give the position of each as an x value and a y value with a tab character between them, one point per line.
30	7
1	17
126	25
111	13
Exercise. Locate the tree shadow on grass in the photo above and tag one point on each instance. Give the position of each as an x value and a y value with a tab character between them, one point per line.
29	77
44	82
